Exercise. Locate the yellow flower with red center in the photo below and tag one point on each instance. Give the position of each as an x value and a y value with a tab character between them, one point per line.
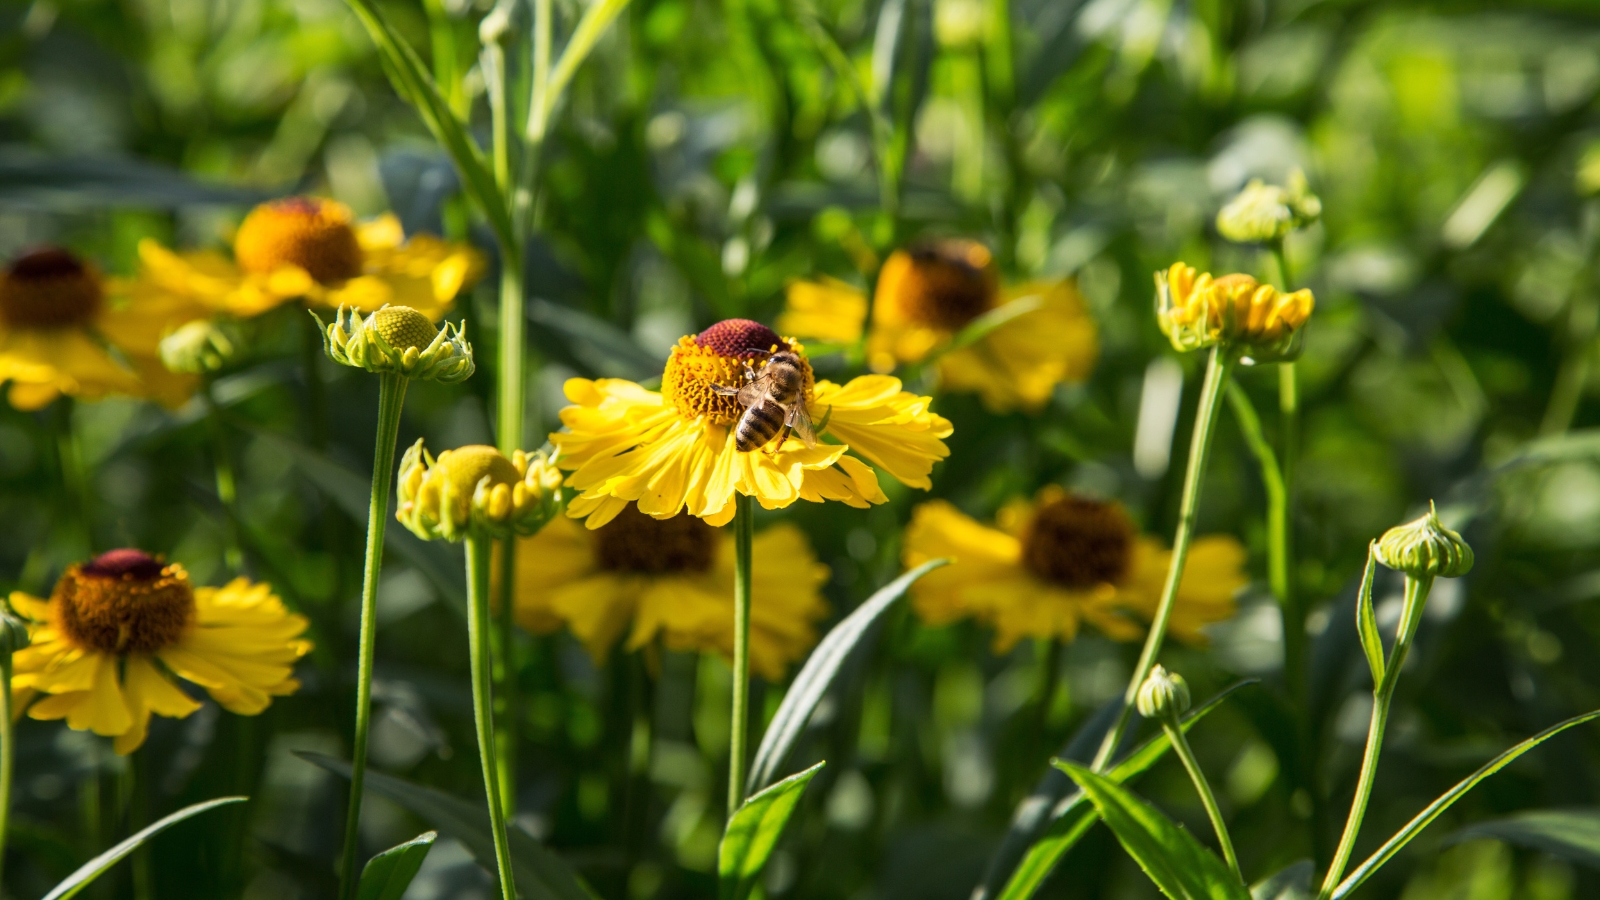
926	294
313	250
670	580
673	451
1236	311
66	329
117	632
1048	566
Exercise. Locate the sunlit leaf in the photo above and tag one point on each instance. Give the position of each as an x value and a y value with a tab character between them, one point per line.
817	675
596	18
753	832
616	347
387	875
1174	860
96	867
1367	618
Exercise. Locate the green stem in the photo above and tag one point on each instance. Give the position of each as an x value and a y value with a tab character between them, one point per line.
1574	372
506	670
8	757
744	537
1416	597
391	398
478	562
1180	746
74	481
1217	370
227	485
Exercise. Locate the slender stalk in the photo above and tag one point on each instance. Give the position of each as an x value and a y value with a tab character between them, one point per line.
506	670
138	817
1049	684
74	481
227	485
1382	698
391	398
1180	746
1217	369
478	562
743	537
1573	374
8	757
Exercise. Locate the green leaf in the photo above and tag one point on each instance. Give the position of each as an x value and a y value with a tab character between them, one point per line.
1174	860
609	345
94	868
387	875
1446	800
414	84
1572	834
539	873
1367	618
754	831
39	181
817	675
591	27
982	326
1073	815
1292	883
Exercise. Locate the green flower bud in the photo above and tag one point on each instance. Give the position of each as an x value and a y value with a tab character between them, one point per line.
200	347
475	491
1425	549
1265	212
13	631
1164	695
398	340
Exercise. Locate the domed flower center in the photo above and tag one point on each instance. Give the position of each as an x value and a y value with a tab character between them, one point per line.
316	235
404	328
465	466
637	543
49	288
1078	543
718	356
123	602
941	284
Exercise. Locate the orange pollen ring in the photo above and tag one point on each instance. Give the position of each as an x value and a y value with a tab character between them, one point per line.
49	288
1079	543
634	543
123	602
718	356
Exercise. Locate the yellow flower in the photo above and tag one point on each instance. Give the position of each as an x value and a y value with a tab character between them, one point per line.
312	250
109	641
476	491
1252	319
673	450
64	329
672	579
928	293
1049	565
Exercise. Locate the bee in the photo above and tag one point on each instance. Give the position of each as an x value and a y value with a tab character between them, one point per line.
774	401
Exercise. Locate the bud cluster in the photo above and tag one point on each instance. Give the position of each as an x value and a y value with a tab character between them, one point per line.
1255	320
476	491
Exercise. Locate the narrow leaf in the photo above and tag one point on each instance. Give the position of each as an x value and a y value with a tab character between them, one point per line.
1174	860
1572	834
1292	883
1445	801
608	344
1367	618
753	832
387	875
94	868
982	326
817	675
539	873
590	28
1073	815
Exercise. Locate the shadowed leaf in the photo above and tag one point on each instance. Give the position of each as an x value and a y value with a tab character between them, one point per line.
96	867
1572	834
387	875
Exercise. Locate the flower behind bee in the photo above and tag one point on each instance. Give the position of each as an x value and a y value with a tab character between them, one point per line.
1255	320
398	340
475	491
1266	212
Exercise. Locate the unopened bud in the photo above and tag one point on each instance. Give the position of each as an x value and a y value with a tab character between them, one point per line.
1164	695
1266	212
13	632
1425	548
200	347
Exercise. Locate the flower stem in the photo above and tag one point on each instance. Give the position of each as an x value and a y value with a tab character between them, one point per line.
1416	597
1205	420
1180	746
478	562
743	537
8	756
227	485
506	678
391	398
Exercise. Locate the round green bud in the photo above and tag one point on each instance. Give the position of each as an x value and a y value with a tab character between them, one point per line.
398	340
1425	548
200	347
1266	212
13	631
1164	695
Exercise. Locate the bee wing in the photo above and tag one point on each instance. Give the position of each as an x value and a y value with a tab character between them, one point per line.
799	421
752	393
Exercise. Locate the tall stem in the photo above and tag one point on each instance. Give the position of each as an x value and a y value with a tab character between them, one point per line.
1205	420
506	670
227	485
1180	746
1573	374
1382	698
391	397
743	538
478	563
8	757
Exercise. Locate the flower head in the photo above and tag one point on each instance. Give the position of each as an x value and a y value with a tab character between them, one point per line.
313	250
1266	212
66	329
117	629
1048	565
1425	548
398	340
475	491
201	346
641	580
1164	695
674	450
1255	320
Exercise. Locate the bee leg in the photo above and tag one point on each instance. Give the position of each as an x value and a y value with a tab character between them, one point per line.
724	390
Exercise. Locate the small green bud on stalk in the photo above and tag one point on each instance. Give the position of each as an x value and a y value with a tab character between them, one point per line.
1164	696
398	340
1262	213
1425	549
13	632
200	347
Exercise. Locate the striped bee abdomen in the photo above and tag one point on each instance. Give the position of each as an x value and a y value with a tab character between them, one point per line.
759	424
